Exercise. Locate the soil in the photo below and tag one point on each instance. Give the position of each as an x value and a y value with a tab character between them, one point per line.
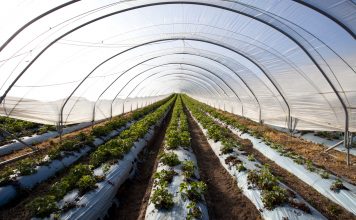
324	205
134	194
334	162
313	197
16	210
45	146
224	199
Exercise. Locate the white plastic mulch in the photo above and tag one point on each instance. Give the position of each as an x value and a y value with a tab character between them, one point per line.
345	198
254	195
7	193
95	204
320	140
8	148
179	210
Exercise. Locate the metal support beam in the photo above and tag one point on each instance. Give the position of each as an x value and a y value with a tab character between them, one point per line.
145	80
335	145
192	3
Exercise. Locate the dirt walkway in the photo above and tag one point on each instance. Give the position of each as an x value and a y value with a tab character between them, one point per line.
134	194
224	199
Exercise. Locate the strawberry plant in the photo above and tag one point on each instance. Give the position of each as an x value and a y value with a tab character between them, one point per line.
194	211
165	175
170	159
188	169
337	186
193	190
161	198
42	207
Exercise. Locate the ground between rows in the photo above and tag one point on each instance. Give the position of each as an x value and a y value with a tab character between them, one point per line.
133	195
224	198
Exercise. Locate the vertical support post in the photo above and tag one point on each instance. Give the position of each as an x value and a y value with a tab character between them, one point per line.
59	130
93	118
347	143
259	115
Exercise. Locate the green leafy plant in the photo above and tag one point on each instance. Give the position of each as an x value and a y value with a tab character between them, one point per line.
324	175
272	194
161	198
310	166
172	140
86	183
27	166
188	169
228	145
274	197
100	131
337	185
193	190
185	139
42	206
170	159
5	176
194	211
240	167
251	157
165	175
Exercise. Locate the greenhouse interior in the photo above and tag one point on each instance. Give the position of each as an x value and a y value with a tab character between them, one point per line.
178	110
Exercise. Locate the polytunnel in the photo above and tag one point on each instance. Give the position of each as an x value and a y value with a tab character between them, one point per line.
285	65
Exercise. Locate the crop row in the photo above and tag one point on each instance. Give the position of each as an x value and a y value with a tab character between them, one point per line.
333	188
21	128
26	173
176	185
256	181
82	176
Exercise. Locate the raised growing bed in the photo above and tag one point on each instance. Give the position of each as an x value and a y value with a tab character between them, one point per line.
246	170
177	192
30	172
337	190
89	187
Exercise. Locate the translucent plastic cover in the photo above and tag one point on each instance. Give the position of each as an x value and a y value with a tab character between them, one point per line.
286	63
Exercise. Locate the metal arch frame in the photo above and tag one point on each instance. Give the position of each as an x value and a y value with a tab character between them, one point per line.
192	78
165	75
181	69
138	64
156	91
198	54
199	76
201	85
168	74
211	59
201	4
181	79
320	11
191	39
162	65
14	35
142	73
149	5
202	68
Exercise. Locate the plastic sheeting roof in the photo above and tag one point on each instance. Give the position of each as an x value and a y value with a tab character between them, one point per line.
289	63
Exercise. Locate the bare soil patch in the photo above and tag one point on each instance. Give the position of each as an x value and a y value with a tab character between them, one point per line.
133	195
334	163
224	198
